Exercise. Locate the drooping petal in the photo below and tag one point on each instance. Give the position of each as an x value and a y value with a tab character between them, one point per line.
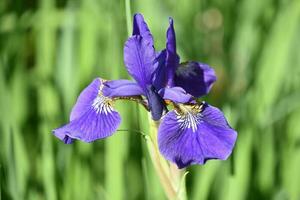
175	94
91	126
195	136
139	58
121	88
195	78
91	118
172	59
156	103
62	136
141	28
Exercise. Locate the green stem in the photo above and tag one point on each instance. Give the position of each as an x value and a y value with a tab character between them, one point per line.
171	178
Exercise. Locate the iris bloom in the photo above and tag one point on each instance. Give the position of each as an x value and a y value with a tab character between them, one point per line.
190	133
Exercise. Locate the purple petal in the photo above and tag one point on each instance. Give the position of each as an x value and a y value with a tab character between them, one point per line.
195	137
172	59
91	118
141	28
195	78
175	94
139	58
91	126
159	75
62	136
121	88
85	99
171	38
156	103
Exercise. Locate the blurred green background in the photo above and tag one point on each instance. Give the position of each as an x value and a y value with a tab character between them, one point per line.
50	50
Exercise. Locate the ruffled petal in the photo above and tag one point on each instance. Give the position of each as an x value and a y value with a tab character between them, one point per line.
139	58
175	94
194	136
62	136
121	88
172	59
141	28
195	78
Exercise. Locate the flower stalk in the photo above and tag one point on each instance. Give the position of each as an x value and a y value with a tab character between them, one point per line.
172	179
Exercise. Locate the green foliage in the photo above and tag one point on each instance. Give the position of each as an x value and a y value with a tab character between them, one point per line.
50	50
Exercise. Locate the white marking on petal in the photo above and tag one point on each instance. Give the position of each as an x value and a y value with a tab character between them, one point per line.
102	104
189	119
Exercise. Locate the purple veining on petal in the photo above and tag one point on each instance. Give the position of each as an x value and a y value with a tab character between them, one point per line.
140	27
195	78
175	94
85	99
121	88
195	137
91	126
91	118
139	58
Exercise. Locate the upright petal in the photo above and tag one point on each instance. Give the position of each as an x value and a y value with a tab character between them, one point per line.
141	28
172	59
159	78
195	78
92	117
171	38
195	135
122	88
139	58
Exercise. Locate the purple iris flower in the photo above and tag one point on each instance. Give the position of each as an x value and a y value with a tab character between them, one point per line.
191	133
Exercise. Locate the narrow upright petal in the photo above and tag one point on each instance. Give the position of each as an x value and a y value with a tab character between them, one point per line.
195	78
141	28
172	59
159	78
195	135
92	117
139	58
121	88
171	38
